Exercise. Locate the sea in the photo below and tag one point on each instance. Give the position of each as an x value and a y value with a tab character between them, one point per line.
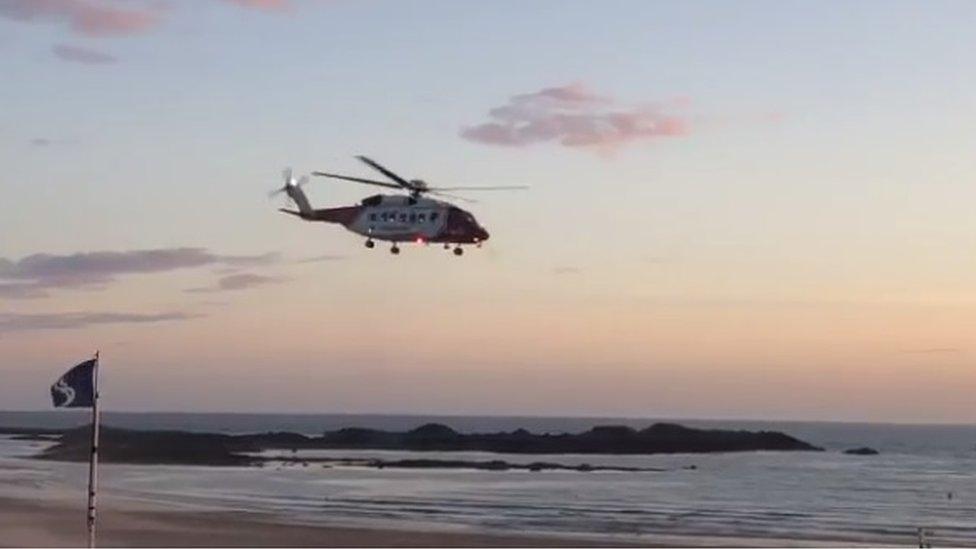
922	483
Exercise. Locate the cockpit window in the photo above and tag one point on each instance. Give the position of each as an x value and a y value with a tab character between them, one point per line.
374	200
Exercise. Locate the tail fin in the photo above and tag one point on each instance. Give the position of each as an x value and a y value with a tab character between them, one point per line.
293	188
298	196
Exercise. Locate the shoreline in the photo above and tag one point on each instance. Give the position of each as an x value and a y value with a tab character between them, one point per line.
56	523
42	504
125	522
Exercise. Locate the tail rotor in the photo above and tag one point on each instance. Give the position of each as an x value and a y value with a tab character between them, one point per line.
293	190
290	185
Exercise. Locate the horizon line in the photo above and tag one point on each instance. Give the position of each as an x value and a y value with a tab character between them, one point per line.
516	416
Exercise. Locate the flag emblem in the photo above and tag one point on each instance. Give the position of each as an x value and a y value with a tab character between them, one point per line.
76	388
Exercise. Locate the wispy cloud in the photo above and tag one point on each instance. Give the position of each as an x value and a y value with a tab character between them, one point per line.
574	116
75	54
267	5
321	258
933	351
22	291
87	17
107	18
13	322
32	275
239	281
50	142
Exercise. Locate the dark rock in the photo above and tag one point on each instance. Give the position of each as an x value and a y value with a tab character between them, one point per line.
611	431
493	465
666	429
30	431
353	435
497	465
433	431
129	446
862	451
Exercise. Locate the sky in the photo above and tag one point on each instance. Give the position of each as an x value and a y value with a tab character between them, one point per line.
736	210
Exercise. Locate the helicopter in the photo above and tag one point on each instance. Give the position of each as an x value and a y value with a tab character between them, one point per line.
395	218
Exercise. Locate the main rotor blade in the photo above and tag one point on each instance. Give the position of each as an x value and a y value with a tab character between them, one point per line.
454	197
358	180
376	166
494	188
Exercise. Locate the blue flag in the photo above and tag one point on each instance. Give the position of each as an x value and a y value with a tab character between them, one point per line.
76	389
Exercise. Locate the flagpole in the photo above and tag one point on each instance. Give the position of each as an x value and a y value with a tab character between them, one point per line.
93	462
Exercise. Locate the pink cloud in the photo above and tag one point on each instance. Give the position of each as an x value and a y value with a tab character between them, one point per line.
238	281
269	5
88	17
42	142
574	116
85	56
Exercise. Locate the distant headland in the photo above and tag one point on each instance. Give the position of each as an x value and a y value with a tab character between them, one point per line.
190	448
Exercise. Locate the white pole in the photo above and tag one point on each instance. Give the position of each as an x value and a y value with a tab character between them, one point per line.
93	463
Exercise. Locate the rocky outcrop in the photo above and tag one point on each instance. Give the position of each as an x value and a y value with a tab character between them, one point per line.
611	439
130	446
862	451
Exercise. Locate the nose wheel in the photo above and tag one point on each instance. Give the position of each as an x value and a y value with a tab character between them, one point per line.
458	251
370	244
395	250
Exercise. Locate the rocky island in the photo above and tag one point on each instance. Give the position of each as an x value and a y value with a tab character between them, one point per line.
180	447
862	451
659	438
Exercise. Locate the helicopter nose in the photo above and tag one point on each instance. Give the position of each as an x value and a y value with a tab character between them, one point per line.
482	234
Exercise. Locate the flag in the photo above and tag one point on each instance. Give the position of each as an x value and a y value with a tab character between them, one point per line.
76	388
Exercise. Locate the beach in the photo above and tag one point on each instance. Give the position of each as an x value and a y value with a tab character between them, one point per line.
41	523
60	523
921	479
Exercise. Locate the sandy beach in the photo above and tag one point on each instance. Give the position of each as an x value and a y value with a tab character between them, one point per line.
717	504
40	523
57	523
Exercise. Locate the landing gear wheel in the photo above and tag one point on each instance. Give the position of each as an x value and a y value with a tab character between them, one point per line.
447	246
458	251
370	244
394	250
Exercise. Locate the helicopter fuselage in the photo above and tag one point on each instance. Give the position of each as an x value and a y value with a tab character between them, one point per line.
400	218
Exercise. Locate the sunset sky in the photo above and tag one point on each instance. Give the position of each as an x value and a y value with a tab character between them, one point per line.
737	209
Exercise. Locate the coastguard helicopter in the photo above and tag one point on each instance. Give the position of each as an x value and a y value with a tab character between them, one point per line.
410	217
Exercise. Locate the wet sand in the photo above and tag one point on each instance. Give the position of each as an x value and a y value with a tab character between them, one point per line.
40	523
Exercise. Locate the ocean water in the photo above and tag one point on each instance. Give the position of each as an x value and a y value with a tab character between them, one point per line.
925	478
